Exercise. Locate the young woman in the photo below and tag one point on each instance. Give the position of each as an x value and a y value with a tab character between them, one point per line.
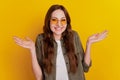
58	53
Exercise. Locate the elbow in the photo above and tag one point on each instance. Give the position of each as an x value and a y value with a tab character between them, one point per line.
86	67
86	70
38	77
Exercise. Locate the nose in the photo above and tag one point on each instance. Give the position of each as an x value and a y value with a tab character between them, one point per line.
59	23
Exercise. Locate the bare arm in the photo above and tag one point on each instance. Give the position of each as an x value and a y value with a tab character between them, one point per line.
92	39
29	44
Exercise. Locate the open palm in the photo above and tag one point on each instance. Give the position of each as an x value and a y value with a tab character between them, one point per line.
27	43
97	37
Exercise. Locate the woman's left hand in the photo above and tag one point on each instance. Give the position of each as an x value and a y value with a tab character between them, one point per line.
97	37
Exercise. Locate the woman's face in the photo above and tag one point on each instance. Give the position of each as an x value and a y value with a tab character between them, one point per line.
58	22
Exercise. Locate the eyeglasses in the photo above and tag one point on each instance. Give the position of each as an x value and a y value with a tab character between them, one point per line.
55	21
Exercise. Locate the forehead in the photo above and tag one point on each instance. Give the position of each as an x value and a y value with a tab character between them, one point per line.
58	14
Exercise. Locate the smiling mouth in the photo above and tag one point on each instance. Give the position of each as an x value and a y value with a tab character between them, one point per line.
58	28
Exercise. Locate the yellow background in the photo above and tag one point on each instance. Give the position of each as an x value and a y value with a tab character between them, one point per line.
25	18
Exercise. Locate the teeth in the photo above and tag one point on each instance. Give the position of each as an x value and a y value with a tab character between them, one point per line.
58	28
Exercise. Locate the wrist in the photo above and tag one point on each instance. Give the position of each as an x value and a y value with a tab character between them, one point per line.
32	49
89	43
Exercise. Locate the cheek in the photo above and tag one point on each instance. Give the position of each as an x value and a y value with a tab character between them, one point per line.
52	27
65	26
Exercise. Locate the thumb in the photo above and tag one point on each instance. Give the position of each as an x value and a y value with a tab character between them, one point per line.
27	38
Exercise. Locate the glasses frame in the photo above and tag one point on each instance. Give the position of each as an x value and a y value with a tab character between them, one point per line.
55	21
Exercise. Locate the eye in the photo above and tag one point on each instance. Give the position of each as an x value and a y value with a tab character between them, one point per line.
63	21
53	19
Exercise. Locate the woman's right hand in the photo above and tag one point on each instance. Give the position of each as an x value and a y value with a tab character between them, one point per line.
27	43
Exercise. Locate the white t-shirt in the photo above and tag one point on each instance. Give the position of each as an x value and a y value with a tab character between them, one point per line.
61	70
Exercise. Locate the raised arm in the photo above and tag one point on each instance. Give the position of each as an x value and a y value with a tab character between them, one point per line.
92	39
29	44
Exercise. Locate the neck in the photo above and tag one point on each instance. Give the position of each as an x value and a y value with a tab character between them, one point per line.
57	37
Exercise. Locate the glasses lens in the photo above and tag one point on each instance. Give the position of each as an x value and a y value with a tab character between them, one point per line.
63	21
54	21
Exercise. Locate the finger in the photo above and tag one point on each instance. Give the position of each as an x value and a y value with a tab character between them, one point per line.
27	38
15	38
105	32
102	37
18	40
94	36
22	45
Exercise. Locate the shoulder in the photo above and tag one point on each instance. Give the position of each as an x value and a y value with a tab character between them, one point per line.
40	37
75	33
76	36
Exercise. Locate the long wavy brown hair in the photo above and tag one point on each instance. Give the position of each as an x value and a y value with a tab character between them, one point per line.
67	37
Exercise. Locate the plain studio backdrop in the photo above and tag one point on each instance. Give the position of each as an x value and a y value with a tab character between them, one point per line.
26	17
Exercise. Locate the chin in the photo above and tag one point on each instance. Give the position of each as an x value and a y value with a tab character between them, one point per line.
58	33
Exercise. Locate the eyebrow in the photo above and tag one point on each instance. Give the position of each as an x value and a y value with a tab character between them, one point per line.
56	17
